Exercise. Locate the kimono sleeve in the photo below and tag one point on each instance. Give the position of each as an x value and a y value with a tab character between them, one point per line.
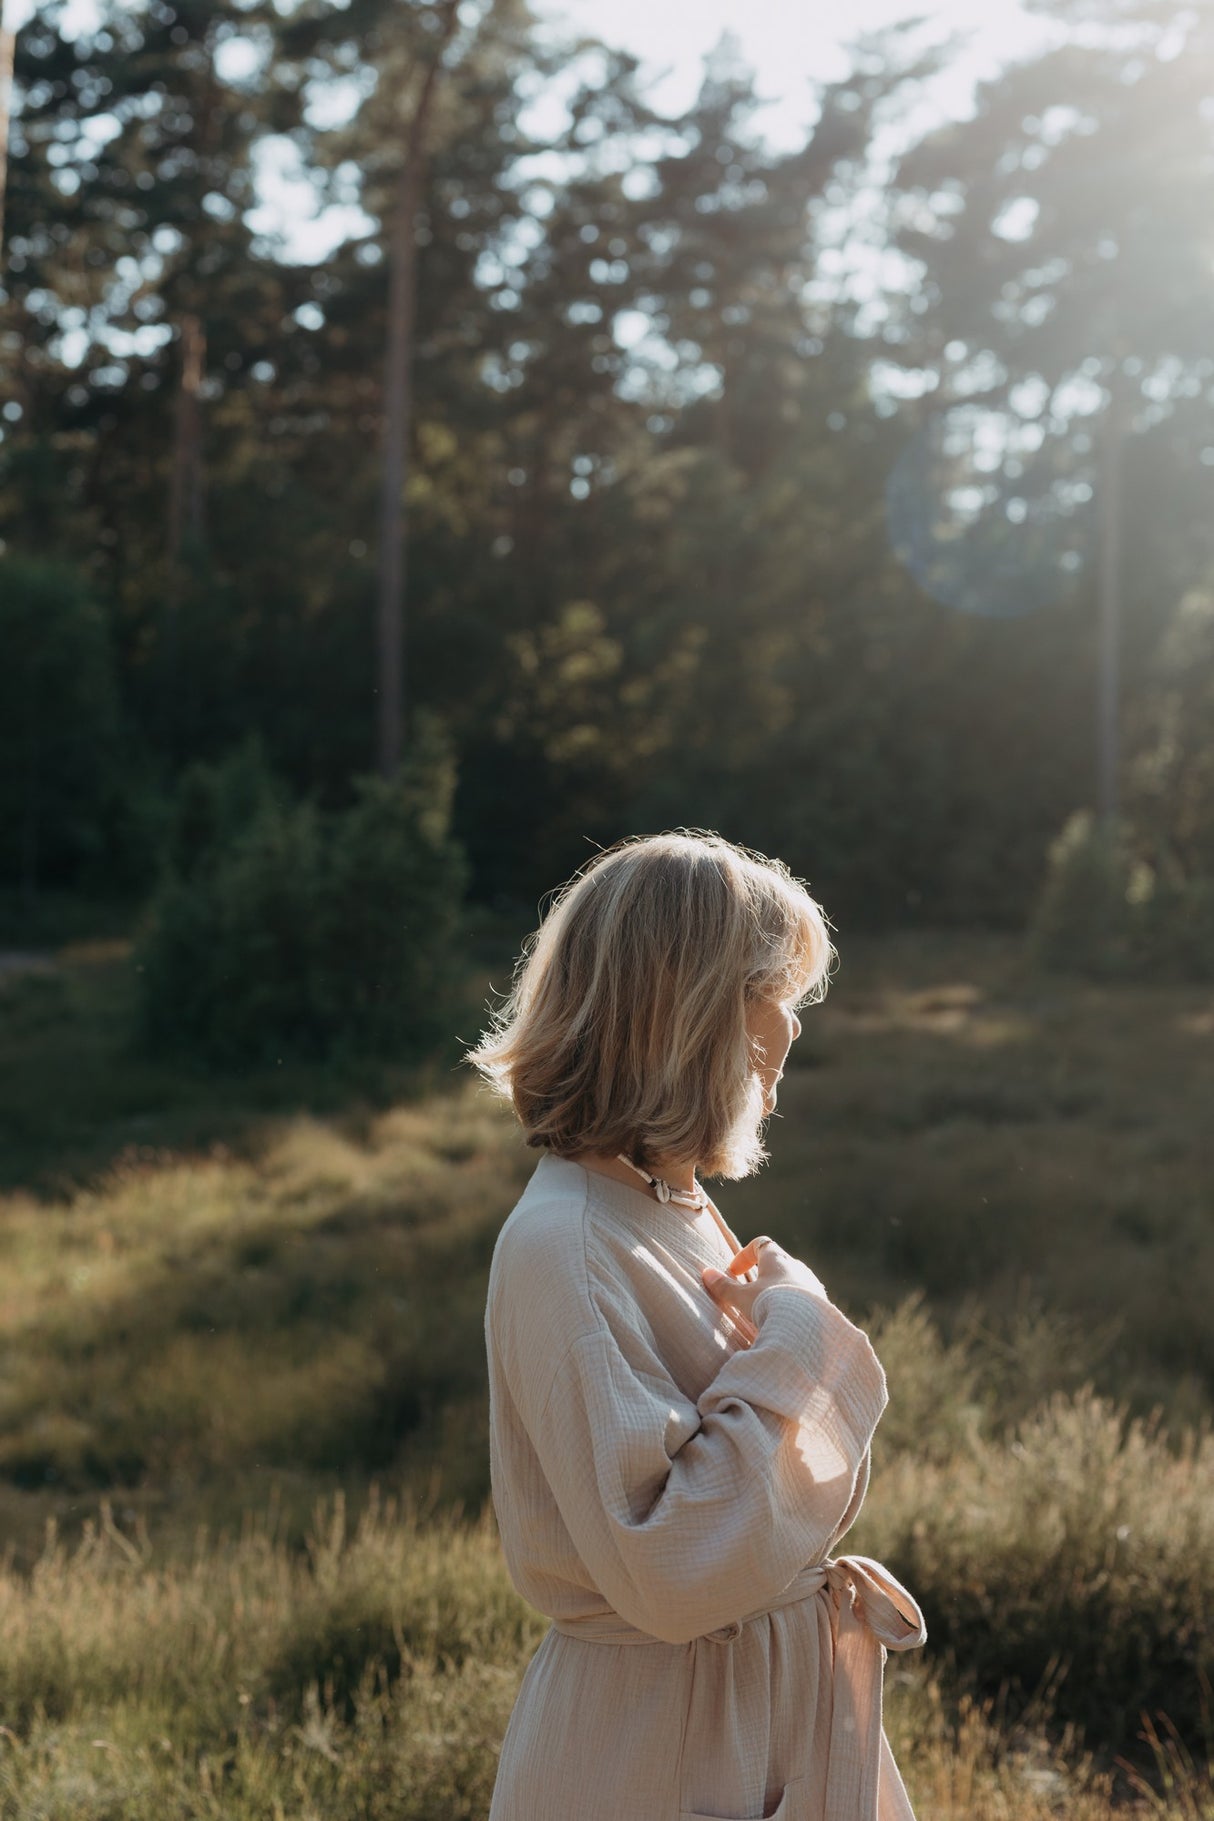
688	1516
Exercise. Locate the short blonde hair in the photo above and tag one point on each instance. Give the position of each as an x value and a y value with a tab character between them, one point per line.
625	1027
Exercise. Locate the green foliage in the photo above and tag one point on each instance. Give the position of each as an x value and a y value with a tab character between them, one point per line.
393	885
59	725
651	579
1079	1558
214	805
1084	917
1106	911
280	930
1179	928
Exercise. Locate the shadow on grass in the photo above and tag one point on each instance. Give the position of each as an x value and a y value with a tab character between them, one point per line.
76	1093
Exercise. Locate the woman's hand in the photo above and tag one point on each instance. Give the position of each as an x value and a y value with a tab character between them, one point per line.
772	1266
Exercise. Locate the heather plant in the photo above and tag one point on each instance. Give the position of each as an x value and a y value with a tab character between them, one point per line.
370	1673
1077	1554
279	930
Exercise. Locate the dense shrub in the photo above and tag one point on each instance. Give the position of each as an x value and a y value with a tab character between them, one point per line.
281	930
1077	1559
215	804
1110	907
1082	919
392	888
1175	928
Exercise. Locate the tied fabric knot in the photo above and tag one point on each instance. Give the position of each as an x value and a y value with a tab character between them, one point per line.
872	1612
876	1600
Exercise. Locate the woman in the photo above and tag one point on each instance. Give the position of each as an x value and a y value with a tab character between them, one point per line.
680	1425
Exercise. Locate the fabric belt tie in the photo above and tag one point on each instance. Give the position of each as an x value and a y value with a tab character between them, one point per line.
870	1613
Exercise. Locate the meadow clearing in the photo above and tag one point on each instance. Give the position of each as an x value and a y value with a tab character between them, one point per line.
249	1567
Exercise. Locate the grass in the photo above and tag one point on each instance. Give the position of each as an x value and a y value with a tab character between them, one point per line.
1077	1555
998	1139
188	1328
371	1675
233	1333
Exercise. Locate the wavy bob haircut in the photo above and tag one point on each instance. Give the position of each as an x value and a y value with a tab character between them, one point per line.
625	1029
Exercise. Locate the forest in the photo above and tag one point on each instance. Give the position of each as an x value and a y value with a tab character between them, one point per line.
747	490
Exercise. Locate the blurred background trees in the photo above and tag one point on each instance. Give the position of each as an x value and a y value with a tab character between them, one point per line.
711	519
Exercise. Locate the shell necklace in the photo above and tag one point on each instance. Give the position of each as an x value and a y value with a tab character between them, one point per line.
695	1200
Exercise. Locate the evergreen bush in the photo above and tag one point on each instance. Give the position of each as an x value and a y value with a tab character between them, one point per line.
1175	929
389	909
1083	921
279	930
1114	906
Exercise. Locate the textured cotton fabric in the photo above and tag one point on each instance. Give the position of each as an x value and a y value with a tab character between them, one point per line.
670	1497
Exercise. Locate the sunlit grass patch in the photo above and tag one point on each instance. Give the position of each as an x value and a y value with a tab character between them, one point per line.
75	1092
370	1674
988	1135
313	1304
105	1621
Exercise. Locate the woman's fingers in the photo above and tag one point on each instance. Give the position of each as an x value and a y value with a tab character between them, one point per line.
748	1257
733	1298
736	1291
771	1264
725	1290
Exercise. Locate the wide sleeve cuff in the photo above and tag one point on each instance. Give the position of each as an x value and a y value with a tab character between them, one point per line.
803	1336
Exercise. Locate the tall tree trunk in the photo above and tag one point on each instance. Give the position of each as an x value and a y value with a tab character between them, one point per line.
398	418
185	499
1109	589
187	481
398	414
186	485
7	39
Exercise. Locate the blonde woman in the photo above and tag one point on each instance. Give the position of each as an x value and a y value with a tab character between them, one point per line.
680	1424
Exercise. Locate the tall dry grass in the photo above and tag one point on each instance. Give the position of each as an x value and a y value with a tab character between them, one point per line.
1009	1179
371	1674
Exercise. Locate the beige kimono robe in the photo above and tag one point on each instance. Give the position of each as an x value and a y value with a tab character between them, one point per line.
669	1496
